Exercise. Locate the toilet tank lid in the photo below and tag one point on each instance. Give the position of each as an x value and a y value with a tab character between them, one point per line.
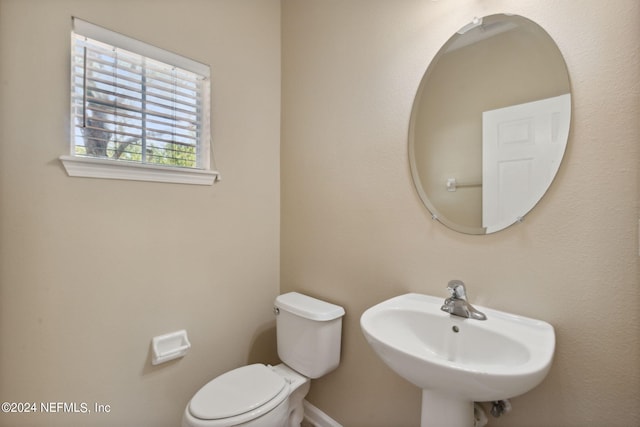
308	307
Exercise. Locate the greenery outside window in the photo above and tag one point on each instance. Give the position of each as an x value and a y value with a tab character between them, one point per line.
137	112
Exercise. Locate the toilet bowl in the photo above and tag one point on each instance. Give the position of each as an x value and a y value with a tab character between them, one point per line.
252	396
308	333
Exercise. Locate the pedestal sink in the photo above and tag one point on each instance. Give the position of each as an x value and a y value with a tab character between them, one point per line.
457	361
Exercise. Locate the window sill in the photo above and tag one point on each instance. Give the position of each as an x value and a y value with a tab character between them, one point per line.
112	169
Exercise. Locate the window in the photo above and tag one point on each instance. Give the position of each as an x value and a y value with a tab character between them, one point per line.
137	111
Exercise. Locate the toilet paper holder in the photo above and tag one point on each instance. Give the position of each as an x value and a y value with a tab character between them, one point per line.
169	346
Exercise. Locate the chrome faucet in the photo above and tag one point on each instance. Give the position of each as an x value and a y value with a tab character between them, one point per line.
457	303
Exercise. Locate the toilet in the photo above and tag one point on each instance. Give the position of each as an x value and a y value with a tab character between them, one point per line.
308	338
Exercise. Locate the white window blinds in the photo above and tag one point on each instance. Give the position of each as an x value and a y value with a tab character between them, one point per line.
133	102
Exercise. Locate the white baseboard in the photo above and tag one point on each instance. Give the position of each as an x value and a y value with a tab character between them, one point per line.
317	418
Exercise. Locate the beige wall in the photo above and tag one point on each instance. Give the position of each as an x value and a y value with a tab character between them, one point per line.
354	231
91	270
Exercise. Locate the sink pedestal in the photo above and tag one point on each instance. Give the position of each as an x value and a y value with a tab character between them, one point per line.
441	410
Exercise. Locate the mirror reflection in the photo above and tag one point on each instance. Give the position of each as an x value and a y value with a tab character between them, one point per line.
490	124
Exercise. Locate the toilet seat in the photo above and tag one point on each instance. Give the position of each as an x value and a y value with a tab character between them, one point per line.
246	392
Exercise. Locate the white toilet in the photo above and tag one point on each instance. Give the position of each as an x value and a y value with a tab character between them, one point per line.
309	333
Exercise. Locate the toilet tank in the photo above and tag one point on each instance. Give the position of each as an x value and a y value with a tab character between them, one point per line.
309	333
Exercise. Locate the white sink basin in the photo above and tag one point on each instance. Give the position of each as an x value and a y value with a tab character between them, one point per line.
458	358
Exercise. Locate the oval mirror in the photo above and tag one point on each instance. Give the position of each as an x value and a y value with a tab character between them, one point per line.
490	124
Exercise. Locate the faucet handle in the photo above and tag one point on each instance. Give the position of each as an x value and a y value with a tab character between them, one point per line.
457	290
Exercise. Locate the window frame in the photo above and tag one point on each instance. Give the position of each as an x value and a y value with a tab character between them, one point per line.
96	167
